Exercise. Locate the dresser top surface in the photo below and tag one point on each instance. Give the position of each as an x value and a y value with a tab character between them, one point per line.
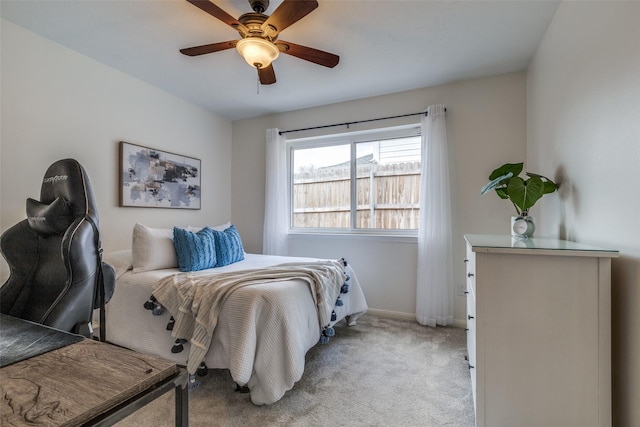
542	245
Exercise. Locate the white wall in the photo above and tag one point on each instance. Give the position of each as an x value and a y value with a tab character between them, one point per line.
485	128
57	103
583	102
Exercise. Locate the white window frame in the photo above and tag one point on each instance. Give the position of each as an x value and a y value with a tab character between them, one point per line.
351	138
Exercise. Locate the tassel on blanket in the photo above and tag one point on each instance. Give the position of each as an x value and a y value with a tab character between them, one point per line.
242	388
150	303
157	310
193	383
327	332
172	322
339	302
178	347
334	316
202	370
345	287
153	305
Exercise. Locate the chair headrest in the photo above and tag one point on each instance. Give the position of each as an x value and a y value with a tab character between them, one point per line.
65	191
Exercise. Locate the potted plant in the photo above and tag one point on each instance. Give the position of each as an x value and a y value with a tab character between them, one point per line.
522	192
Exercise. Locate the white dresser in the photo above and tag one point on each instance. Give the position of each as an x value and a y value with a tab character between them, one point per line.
539	331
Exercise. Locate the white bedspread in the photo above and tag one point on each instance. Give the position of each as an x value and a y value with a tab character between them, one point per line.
263	331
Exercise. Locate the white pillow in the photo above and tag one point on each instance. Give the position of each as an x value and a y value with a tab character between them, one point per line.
121	261
153	249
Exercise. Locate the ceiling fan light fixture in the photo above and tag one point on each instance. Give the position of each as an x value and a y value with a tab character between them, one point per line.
258	52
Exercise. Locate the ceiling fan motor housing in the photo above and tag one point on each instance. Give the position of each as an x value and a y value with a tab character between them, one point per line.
252	26
259	6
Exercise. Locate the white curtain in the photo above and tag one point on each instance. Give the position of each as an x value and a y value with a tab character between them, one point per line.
434	290
276	220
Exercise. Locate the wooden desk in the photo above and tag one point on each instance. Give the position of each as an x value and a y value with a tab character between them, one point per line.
88	383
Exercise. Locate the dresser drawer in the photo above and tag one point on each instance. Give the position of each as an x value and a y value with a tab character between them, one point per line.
471	317
470	270
471	355
471	339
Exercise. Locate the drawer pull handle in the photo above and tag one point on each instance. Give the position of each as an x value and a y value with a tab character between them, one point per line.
466	260
470	274
470	317
466	292
471	366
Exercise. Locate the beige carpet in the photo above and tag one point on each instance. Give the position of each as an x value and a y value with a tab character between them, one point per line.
381	372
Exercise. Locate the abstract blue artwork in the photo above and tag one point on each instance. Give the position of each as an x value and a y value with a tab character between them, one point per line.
151	178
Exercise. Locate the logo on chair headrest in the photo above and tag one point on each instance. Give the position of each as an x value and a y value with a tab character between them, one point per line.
54	179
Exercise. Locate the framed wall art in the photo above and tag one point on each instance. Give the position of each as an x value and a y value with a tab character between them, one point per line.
151	178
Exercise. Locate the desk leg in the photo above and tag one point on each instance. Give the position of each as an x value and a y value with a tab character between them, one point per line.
182	404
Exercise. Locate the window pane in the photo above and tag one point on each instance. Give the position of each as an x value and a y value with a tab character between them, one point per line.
386	190
388	183
321	187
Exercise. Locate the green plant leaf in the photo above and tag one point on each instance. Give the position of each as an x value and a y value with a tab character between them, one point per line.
502	192
495	183
514	168
549	187
525	194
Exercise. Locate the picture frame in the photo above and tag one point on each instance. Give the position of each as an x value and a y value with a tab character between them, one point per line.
152	178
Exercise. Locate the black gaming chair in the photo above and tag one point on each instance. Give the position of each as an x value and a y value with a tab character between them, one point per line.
55	255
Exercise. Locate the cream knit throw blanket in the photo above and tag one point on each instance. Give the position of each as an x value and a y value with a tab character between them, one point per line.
195	301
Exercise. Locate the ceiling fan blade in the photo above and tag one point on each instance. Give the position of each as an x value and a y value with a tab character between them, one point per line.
267	75
289	12
208	48
310	54
216	12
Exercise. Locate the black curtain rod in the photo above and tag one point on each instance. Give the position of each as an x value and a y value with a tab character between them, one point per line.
353	123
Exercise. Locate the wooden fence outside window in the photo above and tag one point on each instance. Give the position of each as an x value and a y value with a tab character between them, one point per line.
388	197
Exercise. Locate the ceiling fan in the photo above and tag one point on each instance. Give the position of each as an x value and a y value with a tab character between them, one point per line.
259	44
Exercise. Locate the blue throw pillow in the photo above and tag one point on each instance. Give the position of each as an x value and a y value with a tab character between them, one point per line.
228	246
195	251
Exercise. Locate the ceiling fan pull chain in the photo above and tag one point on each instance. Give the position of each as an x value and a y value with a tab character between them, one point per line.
258	86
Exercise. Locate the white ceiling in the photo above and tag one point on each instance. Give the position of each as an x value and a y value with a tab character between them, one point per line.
385	46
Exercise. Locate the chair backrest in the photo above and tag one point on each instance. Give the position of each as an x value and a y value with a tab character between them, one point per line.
54	254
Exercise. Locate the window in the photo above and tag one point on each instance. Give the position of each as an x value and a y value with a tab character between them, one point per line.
357	181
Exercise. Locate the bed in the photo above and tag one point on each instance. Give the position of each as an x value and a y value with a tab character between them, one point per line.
263	331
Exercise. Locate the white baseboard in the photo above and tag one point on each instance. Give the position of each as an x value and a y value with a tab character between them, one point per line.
392	314
457	323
